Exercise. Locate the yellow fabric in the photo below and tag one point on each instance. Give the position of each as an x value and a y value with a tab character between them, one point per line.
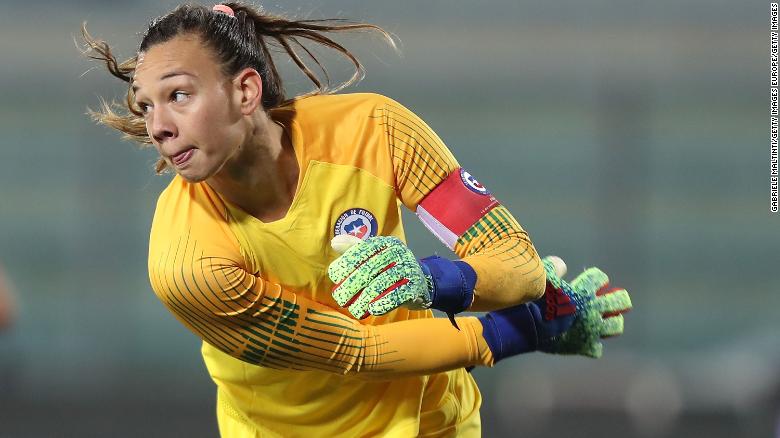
282	354
449	408
507	265
197	270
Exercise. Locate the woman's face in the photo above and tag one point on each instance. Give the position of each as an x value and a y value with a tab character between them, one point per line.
192	111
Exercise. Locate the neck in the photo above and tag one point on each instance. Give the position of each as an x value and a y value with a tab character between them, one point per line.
262	176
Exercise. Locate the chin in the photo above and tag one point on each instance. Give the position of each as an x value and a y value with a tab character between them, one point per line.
191	176
193	179
196	170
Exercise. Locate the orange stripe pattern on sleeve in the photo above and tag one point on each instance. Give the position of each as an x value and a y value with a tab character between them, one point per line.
508	267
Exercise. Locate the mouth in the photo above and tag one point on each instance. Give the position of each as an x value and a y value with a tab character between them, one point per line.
182	157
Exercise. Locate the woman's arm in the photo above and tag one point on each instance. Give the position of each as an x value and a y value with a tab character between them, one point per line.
261	323
462	213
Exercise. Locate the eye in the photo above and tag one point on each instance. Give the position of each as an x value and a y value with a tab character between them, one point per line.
179	96
144	107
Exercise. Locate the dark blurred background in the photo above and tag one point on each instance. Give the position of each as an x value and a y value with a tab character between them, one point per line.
629	135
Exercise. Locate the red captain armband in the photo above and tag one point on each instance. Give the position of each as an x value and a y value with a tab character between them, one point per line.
453	206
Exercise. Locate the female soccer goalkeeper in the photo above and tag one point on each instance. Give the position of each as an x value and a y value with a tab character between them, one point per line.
300	340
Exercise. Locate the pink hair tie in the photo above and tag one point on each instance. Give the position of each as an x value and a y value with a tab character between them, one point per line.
225	9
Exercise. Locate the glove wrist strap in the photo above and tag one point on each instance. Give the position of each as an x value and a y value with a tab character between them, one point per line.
452	283
511	331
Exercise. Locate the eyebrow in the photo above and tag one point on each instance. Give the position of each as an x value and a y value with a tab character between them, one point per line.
135	88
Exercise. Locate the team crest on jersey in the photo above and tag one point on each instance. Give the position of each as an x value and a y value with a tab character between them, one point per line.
472	184
358	222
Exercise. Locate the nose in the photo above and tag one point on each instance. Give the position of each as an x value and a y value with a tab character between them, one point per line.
161	126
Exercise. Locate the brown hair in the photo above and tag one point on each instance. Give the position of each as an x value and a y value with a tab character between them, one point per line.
238	42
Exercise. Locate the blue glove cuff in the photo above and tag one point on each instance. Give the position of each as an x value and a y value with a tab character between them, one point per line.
453	283
511	331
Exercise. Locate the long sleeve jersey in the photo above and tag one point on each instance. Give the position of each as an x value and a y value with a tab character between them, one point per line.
258	294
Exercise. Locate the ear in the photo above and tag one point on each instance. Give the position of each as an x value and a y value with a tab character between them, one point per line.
250	87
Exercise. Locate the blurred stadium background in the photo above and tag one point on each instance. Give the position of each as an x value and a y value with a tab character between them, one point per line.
628	135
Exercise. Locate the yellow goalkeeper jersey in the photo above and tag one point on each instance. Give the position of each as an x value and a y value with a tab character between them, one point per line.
286	359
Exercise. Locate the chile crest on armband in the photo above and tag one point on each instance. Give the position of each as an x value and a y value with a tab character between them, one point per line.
453	206
357	222
472	184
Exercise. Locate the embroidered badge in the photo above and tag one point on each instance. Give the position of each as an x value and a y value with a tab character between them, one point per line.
358	222
472	183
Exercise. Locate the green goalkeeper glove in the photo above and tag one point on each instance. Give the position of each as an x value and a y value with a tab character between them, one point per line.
568	319
375	276
600	309
599	313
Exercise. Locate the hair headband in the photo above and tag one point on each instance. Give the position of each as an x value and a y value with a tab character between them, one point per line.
225	9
